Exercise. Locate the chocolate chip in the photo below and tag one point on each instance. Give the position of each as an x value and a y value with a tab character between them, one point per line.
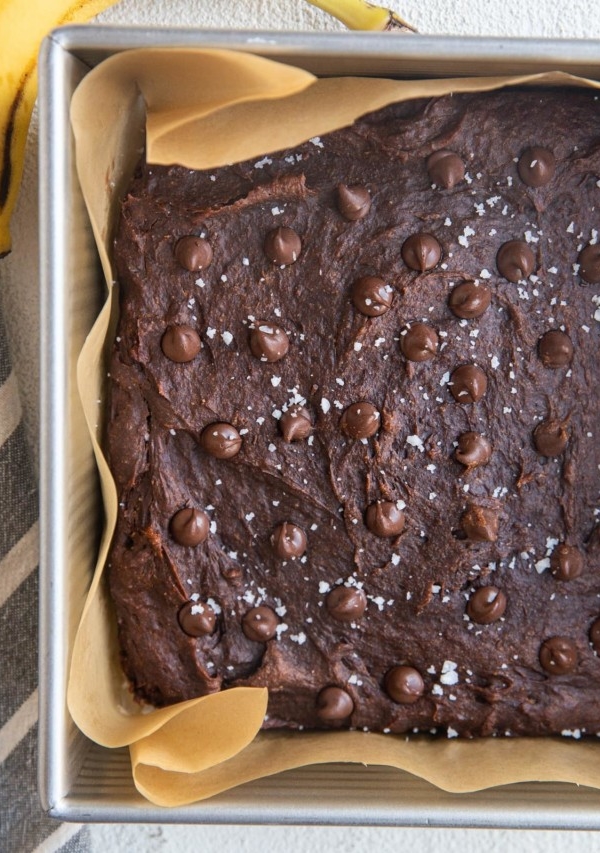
555	349
346	603
445	168
550	438
260	624
468	384
421	252
486	605
189	526
558	655
180	343
384	519
404	684
193	253
288	541
536	166
268	342
334	704
566	562
469	300
473	450
295	424
589	264
360	420
196	619
419	342
283	246
595	636
221	440
480	524
371	296
353	202
515	260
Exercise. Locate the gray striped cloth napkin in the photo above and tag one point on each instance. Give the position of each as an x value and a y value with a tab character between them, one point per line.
23	825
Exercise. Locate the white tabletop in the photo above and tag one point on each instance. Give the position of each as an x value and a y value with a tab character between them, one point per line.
543	18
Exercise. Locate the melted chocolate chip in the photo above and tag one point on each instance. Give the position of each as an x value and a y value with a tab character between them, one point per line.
334	704
589	264
469	300
360	420
595	636
283	246
189	526
558	655
404	684
473	450
515	260
371	296
421	252
353	202
180	343
295	424
268	342
419	342
383	518
221	440
260	624
196	619
480	524
445	168
566	562
346	603
555	349
550	438
486	605
536	166
468	383
288	541
193	253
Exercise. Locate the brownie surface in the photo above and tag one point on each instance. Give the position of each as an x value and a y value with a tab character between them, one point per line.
422	655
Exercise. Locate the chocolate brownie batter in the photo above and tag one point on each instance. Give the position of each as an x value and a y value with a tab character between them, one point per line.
354	422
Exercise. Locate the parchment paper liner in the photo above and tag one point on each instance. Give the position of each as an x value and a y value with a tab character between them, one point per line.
207	108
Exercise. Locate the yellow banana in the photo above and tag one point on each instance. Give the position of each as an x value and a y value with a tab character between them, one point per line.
361	15
23	26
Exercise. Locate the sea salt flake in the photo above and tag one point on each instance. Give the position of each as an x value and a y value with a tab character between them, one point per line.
298	638
415	441
211	332
272	448
437	690
542	565
227	337
325	405
275	380
316	140
280	629
249	516
266	161
395	559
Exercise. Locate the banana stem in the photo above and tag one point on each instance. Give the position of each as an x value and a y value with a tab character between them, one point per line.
361	15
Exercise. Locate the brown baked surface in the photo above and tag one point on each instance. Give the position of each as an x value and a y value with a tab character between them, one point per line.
477	679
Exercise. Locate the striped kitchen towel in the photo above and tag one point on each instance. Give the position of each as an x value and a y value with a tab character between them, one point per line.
23	825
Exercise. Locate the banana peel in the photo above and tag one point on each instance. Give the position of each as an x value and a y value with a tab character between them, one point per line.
23	26
22	29
361	15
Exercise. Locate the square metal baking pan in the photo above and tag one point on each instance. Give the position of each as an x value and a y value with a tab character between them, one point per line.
79	780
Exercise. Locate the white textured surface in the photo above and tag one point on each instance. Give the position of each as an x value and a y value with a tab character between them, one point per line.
18	276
